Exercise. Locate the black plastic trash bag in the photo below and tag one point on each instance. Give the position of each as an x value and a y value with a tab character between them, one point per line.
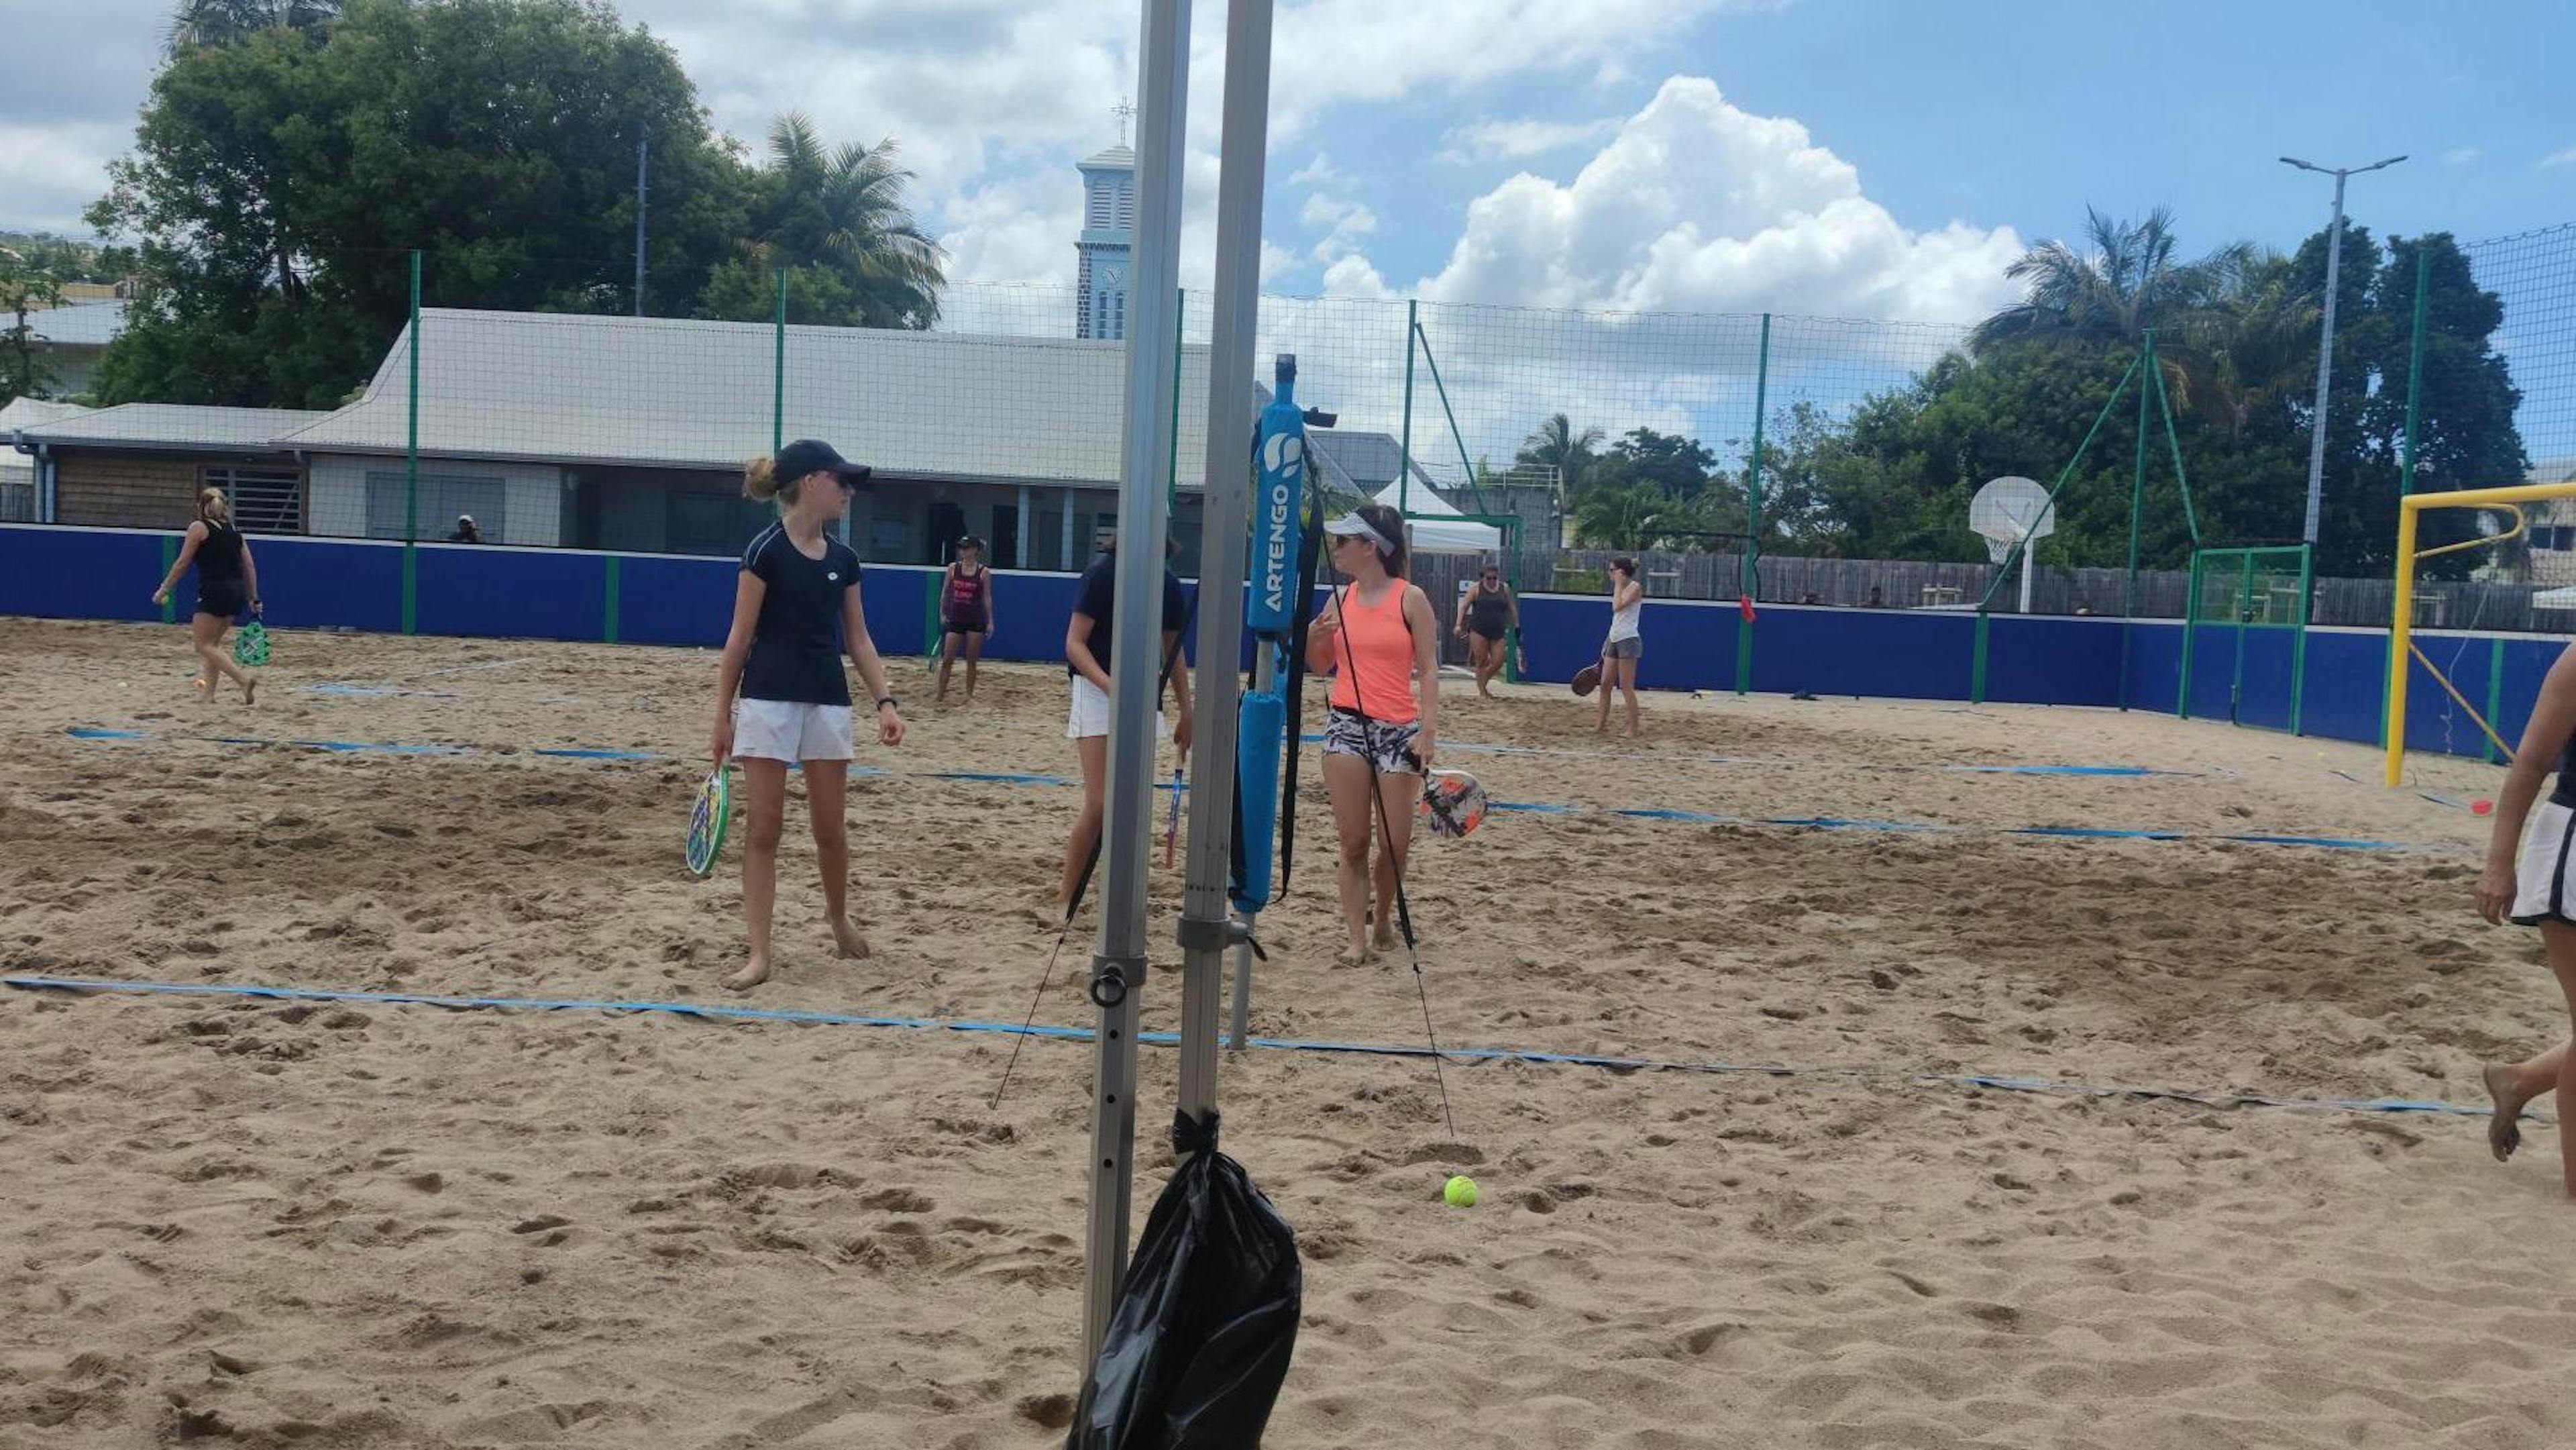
1207	1318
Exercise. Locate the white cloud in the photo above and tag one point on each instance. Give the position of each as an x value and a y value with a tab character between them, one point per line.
1493	140
2459	156
1699	206
1319	172
2558	158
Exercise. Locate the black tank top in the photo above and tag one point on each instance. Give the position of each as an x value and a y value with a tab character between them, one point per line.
219	557
2565	793
1487	609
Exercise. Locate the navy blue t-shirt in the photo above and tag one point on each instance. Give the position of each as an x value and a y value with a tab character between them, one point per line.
796	648
1099	599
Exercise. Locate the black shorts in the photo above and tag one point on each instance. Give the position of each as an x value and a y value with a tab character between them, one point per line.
225	599
960	626
1494	633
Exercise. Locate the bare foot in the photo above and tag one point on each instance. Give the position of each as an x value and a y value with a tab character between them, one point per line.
1385	940
250	690
2504	1134
748	978
1353	956
853	946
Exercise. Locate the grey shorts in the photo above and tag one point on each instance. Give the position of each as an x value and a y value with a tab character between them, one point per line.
1390	746
1624	649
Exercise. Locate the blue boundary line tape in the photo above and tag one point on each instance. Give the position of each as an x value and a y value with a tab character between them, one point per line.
1649	813
724	1012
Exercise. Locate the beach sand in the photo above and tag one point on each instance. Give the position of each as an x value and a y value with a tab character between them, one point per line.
265	1223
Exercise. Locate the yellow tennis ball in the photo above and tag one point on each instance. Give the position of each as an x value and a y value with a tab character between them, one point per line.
1460	1192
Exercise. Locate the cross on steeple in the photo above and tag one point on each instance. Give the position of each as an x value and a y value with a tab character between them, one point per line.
1122	111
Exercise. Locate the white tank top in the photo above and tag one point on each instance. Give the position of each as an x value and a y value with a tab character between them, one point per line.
1623	622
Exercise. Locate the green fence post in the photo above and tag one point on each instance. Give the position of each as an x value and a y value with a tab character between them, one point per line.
169	558
1404	444
778	374
2190	627
411	471
1751	581
2244	607
2495	694
610	605
2137	515
2299	641
1977	659
930	621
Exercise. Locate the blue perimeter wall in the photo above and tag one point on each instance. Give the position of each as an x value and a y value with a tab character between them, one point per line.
499	592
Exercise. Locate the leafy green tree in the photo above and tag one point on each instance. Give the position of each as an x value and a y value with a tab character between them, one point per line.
1679	466
280	177
841	213
25	287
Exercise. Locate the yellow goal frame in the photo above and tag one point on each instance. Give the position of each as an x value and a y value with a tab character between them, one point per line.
2401	628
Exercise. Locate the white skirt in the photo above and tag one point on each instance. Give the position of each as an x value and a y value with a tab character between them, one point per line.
2542	890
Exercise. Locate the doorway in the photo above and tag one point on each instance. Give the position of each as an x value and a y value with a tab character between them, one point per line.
947	526
1006	536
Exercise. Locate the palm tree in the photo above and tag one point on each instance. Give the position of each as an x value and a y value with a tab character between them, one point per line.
223	22
845	210
2124	283
1556	444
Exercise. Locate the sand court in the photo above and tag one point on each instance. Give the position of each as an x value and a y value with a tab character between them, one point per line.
273	1222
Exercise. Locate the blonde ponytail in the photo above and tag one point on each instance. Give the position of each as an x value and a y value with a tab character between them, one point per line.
760	480
213	507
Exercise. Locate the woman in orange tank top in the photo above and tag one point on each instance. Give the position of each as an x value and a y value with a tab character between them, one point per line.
1380	641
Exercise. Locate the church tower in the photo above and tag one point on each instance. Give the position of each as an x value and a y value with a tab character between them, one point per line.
1105	251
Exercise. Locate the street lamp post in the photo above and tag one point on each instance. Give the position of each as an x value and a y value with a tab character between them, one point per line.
2325	348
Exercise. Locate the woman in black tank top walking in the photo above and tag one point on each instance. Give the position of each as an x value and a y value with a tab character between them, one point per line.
227	585
2538	890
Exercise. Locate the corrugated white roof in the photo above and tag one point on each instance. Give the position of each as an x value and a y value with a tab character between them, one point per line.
82	324
174	425
679	394
1111	158
30	412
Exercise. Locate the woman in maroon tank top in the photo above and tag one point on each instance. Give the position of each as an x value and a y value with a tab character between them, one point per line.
965	614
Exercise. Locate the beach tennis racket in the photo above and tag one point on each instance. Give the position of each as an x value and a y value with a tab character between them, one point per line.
250	647
1453	804
1172	823
1587	680
708	819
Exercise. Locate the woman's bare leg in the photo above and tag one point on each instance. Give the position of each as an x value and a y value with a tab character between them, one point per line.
826	788
1094	750
1628	682
974	657
1609	681
947	658
1346	780
765	783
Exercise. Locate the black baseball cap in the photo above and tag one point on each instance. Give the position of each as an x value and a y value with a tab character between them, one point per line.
812	455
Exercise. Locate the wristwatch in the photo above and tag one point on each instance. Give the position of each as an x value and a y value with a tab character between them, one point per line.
885	701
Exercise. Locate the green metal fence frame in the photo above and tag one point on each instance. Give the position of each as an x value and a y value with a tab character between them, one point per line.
2245	557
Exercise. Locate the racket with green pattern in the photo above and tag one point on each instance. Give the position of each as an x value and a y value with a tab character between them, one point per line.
250	647
708	819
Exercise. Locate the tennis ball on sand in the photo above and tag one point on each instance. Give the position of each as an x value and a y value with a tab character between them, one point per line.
1460	1192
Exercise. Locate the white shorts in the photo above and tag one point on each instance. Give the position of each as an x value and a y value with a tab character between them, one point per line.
2542	890
1089	716
791	730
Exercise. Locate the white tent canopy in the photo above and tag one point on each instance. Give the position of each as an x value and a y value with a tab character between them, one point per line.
1436	525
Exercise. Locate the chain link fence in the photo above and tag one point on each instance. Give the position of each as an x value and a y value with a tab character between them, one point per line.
1801	460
